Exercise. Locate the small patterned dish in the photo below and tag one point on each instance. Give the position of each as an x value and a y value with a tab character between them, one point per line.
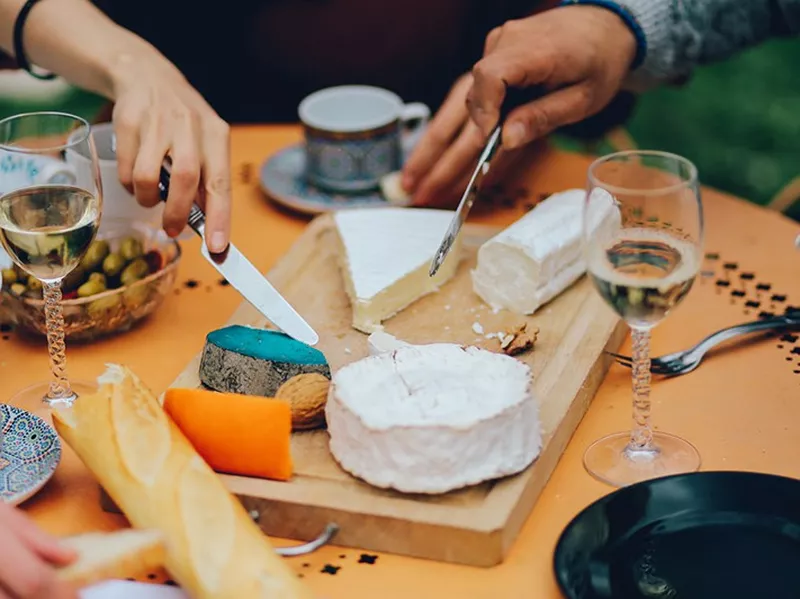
29	455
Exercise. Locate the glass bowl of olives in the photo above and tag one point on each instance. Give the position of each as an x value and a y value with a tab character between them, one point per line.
123	278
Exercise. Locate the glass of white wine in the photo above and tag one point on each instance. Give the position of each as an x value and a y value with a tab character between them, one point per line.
643	242
49	214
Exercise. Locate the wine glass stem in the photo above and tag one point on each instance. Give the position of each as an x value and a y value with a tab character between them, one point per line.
642	434
60	391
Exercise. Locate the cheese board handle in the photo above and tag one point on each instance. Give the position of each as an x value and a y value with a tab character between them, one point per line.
305	548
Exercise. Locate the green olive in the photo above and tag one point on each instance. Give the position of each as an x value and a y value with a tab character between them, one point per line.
34	285
99	307
135	297
95	255
74	279
131	248
9	276
18	289
22	276
136	270
91	288
113	265
98	276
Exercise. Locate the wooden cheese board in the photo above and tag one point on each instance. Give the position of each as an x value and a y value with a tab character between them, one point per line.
474	526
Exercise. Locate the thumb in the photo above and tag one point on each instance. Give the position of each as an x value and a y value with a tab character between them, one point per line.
537	119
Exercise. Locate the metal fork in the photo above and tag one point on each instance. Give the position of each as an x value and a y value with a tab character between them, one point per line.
685	361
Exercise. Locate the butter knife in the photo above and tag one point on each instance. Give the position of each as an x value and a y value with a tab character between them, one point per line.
514	97
245	278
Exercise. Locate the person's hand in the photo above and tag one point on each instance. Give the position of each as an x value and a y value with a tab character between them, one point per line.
157	113
28	560
439	168
580	54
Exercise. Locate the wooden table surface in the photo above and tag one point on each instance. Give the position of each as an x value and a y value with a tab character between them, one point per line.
740	408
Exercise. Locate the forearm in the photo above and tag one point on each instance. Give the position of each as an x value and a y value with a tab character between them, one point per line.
78	42
683	34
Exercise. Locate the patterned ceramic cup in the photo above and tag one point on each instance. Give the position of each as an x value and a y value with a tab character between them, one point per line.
356	134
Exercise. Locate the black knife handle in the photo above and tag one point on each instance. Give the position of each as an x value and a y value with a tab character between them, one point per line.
519	96
196	216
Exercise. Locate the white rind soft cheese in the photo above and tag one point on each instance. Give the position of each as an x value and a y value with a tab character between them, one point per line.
385	257
540	255
433	418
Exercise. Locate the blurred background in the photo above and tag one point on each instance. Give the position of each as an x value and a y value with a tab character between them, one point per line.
739	121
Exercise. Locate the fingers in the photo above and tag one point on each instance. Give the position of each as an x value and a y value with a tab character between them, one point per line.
42	544
155	143
23	574
532	121
439	134
459	159
126	132
217	187
184	176
493	74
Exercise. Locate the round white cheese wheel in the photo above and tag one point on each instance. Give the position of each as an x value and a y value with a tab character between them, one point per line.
433	418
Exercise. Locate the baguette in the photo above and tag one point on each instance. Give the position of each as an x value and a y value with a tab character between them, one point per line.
105	556
152	472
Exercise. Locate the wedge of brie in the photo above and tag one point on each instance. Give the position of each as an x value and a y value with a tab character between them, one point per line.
540	255
433	418
385	255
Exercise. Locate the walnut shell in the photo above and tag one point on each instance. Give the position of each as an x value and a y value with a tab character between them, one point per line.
307	394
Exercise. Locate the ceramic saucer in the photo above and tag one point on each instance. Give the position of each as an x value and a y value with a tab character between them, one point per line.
30	453
283	181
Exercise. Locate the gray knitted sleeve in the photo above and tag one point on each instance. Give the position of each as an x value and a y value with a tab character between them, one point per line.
682	34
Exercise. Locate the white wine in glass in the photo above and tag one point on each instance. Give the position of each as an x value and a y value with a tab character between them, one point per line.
643	262
49	215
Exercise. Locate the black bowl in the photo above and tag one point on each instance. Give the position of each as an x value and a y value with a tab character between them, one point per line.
706	535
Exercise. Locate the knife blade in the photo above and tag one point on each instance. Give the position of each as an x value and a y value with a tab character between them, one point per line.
245	278
514	97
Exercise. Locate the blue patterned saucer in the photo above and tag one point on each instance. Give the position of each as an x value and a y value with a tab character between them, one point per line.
283	181
30	453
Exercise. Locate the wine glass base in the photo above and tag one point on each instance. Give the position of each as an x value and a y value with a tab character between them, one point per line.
33	398
611	460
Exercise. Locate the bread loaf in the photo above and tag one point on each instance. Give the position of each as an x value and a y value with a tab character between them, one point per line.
108	555
214	549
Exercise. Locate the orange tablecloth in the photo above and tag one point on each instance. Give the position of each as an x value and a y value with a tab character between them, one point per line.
741	408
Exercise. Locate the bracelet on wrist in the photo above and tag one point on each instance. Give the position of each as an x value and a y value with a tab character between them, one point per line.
627	17
19	49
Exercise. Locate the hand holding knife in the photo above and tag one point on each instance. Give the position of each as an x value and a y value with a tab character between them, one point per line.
245	278
514	98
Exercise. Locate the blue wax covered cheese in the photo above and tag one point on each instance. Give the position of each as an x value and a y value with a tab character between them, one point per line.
240	359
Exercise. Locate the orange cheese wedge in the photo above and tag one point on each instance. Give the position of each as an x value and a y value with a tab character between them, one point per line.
235	434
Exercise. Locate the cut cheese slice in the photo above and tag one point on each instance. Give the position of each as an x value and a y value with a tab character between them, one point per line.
541	255
433	418
381	342
385	256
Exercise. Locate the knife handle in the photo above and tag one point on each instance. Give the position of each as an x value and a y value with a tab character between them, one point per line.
519	96
197	219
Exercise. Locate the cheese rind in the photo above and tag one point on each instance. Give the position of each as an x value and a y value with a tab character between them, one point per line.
385	255
539	256
251	361
433	418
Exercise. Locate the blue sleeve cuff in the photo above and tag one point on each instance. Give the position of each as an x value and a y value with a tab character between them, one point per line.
627	17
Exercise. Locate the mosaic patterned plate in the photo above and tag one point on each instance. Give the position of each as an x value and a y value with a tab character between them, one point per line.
283	181
29	455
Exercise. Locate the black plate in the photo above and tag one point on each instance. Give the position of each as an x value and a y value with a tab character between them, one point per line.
707	535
